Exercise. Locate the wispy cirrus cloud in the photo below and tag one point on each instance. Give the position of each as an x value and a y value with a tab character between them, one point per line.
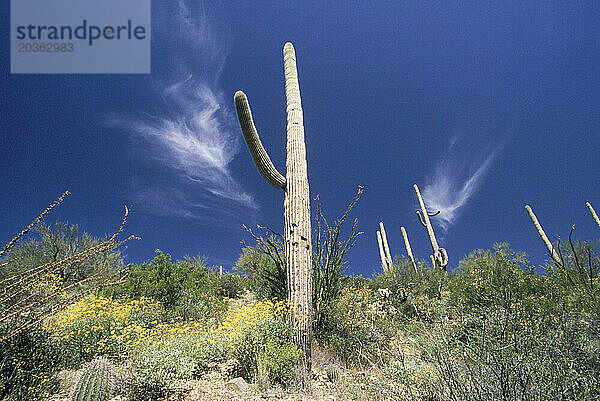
188	134
456	177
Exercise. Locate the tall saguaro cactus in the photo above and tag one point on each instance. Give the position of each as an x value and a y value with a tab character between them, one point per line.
408	249
593	212
542	234
297	232
382	252
384	249
440	256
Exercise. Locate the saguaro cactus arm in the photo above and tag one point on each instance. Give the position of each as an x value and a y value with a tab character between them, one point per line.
440	256
428	214
261	159
542	234
593	212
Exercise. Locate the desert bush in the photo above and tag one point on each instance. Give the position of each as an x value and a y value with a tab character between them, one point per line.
267	352
188	288
174	353
496	278
409	294
55	243
512	354
264	267
183	349
359	329
232	285
574	284
100	326
512	334
28	361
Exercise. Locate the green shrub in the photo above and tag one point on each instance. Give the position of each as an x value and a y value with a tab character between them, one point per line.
266	351
574	284
232	285
189	288
358	328
28	361
99	326
177	357
498	278
512	354
412	294
264	269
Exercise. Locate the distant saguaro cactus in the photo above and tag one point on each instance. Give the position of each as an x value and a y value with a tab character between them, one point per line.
543	236
297	232
593	212
408	249
440	256
384	249
381	252
97	383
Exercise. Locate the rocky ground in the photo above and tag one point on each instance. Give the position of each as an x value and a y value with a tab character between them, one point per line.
330	382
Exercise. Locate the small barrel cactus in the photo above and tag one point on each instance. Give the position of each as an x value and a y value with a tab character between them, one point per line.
97	383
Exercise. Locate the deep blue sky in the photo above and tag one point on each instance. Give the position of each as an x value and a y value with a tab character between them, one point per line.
486	106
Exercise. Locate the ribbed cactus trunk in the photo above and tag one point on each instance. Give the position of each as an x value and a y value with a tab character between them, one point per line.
440	256
296	205
408	249
542	234
593	212
382	252
386	247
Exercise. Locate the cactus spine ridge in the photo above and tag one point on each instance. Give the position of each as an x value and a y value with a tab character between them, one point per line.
542	235
408	249
440	256
593	212
296	204
97	382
